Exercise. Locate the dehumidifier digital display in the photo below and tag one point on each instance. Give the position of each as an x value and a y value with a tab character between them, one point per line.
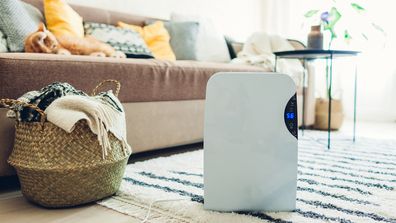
291	116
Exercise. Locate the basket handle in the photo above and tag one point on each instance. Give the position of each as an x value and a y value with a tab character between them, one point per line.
115	82
8	103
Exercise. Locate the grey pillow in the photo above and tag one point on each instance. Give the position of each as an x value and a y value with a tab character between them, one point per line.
124	40
3	43
15	23
34	13
183	39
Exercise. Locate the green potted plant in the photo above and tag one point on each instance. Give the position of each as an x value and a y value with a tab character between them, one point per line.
333	20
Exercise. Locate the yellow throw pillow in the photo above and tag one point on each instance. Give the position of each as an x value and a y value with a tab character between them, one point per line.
156	37
62	20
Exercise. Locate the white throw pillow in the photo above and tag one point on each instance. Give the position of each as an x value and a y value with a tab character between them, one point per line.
211	45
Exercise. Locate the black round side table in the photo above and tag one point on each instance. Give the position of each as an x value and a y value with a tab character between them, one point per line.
328	55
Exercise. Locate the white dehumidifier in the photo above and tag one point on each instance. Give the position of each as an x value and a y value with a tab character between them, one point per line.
250	142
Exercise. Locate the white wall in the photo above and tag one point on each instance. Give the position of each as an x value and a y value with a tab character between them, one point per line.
237	18
376	99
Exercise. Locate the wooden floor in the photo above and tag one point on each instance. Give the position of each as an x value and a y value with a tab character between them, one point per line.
15	209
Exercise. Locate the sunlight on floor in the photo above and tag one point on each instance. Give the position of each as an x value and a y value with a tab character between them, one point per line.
381	130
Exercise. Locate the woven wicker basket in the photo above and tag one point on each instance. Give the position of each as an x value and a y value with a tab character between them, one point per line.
60	169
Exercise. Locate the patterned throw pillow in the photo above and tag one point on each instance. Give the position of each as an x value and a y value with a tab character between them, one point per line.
15	23
125	40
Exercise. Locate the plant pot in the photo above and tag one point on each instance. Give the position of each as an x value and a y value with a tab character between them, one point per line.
322	114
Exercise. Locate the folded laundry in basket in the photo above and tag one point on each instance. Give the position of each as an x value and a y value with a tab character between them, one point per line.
104	113
42	99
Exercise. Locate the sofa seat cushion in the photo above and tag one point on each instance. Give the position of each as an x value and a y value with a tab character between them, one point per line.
142	80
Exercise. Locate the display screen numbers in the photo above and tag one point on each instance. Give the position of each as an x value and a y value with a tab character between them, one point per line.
290	115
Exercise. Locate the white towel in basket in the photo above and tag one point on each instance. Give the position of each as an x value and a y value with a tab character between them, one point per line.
103	113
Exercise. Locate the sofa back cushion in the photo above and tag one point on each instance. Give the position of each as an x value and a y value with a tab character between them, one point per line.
90	14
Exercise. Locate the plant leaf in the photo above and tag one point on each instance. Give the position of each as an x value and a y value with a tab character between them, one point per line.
311	13
357	7
379	28
347	36
335	15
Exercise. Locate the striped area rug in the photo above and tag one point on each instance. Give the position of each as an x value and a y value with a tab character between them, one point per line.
349	183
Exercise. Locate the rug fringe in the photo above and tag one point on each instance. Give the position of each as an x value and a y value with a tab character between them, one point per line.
139	210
